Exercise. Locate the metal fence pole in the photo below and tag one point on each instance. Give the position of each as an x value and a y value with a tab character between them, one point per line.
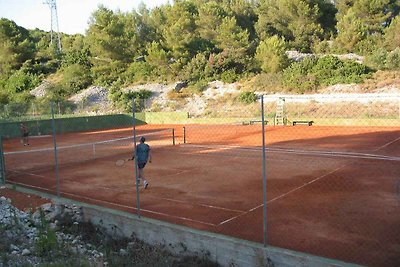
136	162
55	149
2	163
264	174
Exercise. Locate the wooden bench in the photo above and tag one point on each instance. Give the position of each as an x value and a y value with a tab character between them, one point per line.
310	123
260	121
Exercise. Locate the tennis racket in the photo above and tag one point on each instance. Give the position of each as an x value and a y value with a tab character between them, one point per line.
121	162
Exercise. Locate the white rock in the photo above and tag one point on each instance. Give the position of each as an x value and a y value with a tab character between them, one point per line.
26	252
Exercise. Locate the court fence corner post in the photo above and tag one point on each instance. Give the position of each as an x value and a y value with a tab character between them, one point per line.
136	174
53	124
264	174
2	163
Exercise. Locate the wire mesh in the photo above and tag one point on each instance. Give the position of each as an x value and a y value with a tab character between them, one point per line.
331	162
333	170
2	165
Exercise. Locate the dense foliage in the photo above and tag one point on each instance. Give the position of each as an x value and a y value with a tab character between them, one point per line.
203	40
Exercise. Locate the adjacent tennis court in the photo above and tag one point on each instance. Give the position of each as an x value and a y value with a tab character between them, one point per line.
332	191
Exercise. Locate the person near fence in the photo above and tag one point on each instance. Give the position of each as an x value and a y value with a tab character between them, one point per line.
24	134
143	156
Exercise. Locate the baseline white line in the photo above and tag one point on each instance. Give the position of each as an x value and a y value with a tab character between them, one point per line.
305	184
338	154
240	215
283	195
33	186
30	174
133	208
118	205
122	190
385	145
40	136
196	204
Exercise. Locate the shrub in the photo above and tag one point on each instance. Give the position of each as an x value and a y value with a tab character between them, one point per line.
229	76
271	54
138	71
75	78
247	97
19	82
393	59
309	74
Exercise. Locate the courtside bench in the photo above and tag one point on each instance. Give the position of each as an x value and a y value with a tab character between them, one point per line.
309	123
260	121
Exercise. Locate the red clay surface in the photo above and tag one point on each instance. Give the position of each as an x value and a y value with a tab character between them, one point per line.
331	191
24	202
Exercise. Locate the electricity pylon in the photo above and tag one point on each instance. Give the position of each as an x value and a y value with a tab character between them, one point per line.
54	24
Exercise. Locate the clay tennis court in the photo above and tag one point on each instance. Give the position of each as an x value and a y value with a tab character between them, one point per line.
331	191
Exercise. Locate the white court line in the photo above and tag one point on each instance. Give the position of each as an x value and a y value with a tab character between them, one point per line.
196	204
33	186
305	184
338	154
161	198
120	205
31	174
283	195
302	186
385	145
39	136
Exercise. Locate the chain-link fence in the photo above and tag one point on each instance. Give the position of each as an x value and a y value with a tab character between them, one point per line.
2	165
313	174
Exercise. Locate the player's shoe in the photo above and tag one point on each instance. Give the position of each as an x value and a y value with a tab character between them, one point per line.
146	184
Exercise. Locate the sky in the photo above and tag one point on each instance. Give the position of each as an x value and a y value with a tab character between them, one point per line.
73	15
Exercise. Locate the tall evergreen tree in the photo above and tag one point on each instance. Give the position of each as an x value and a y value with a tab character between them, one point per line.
15	46
363	21
298	21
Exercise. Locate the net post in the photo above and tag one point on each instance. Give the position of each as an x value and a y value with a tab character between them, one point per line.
136	162
265	232
184	134
2	163
53	123
94	151
173	136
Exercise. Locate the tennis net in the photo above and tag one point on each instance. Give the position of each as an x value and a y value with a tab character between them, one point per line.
42	159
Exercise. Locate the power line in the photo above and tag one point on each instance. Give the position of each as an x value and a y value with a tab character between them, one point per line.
54	23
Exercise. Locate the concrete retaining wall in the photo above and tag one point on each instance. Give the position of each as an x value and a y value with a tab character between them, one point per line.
180	240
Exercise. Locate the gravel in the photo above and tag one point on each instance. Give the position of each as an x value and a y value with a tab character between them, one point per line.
57	234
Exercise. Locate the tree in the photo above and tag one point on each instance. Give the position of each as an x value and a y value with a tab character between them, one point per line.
112	35
351	32
157	58
363	21
392	34
271	54
297	21
180	30
209	19
15	46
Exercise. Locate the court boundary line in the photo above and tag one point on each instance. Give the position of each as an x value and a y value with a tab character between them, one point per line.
116	204
133	189
338	154
308	183
301	152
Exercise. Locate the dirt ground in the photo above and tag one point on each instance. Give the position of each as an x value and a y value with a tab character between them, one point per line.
21	200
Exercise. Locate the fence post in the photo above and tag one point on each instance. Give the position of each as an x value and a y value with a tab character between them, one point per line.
136	162
53	123
264	172
2	163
